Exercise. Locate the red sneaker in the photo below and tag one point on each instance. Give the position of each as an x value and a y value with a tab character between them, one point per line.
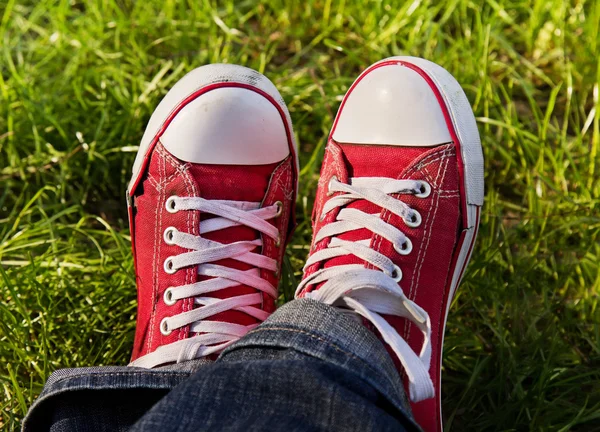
211	206
397	212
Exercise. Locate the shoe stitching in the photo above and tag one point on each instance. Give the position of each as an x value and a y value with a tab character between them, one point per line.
331	161
288	201
154	182
425	243
441	307
195	228
440	156
387	215
333	167
430	229
427	228
278	184
191	190
188	303
420	166
282	183
158	224
267	241
430	179
427	160
180	168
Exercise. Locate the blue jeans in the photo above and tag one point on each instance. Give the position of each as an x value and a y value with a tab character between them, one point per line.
309	367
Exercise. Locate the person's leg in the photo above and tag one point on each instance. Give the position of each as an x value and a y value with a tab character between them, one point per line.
106	398
310	366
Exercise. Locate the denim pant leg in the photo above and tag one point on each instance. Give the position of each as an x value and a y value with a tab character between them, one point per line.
308	367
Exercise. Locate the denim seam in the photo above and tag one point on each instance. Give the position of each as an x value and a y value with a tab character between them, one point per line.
108	374
328	342
54	392
113	374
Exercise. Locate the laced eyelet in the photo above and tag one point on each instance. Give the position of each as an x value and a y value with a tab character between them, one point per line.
424	190
164	327
168	297
278	241
279	205
331	180
396	273
168	266
170	204
168	235
414	220
405	248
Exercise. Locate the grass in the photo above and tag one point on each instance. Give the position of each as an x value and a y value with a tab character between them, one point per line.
79	80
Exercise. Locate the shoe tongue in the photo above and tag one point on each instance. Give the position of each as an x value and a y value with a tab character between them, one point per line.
371	161
235	183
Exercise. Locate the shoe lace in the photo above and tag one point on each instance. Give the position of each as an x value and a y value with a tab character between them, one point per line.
214	336
370	292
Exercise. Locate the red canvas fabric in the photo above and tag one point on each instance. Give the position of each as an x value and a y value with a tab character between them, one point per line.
427	269
166	175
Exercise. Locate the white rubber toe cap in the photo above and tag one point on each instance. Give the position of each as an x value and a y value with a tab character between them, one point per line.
230	126
220	114
392	105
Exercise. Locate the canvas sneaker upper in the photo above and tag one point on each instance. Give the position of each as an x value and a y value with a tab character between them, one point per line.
211	209
393	225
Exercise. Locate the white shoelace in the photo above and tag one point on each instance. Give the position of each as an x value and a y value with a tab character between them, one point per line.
371	292
216	335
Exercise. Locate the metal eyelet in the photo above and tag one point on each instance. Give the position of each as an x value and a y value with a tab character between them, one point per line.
168	235
396	274
169	266
168	297
279	205
164	327
170	204
414	219
331	180
405	248
424	190
278	241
